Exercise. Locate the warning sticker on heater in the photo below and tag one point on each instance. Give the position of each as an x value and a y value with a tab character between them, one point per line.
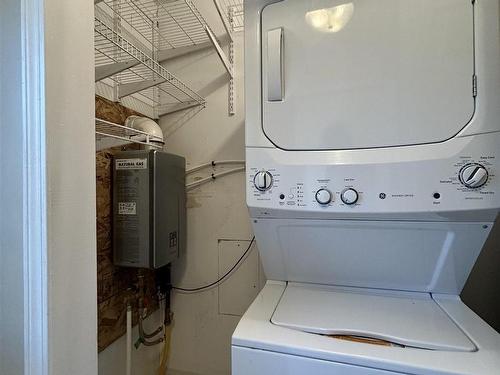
131	163
127	208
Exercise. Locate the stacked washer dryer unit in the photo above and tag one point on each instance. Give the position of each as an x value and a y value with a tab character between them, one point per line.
373	151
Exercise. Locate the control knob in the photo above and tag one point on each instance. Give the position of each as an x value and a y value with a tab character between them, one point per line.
473	175
323	196
263	180
349	196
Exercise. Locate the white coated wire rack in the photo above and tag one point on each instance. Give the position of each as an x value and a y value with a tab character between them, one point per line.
132	37
165	24
106	129
134	71
233	9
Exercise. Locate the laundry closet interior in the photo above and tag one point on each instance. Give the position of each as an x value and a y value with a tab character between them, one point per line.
281	186
170	77
178	67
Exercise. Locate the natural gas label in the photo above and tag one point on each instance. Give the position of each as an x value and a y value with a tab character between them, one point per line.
127	208
131	163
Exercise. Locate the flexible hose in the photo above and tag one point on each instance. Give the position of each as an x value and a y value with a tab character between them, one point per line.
162	370
213	164
145	342
142	333
143	336
128	363
151	335
221	279
213	177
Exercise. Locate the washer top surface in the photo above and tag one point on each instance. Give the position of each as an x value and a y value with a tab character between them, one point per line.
256	331
403	318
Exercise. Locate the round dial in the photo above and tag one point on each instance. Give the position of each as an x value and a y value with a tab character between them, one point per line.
323	196
473	175
349	196
263	180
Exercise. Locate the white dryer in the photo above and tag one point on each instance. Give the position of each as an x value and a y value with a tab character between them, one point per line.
373	150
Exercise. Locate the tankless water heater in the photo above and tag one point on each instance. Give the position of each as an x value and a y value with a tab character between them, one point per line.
149	208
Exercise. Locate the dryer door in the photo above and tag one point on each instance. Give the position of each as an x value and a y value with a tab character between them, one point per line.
363	74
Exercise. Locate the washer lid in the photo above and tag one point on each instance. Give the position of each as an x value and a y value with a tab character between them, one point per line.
339	74
409	319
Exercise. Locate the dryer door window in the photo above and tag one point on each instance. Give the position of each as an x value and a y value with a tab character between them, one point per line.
363	74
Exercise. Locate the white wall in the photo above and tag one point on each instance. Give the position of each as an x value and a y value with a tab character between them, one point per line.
204	322
69	76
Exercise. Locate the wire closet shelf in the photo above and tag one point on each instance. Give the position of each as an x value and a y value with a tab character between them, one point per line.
165	24
233	10
107	129
129	34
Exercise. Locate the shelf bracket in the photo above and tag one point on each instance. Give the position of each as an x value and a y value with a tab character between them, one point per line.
177	108
106	71
172	53
225	22
230	91
220	52
127	89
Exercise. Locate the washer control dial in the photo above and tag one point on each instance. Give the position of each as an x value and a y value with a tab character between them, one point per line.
263	180
323	196
473	175
349	196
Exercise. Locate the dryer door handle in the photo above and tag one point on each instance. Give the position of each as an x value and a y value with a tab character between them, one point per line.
275	84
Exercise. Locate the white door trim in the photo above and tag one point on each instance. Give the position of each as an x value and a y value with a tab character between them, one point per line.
34	189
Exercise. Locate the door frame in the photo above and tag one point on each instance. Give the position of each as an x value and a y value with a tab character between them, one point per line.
35	221
48	315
